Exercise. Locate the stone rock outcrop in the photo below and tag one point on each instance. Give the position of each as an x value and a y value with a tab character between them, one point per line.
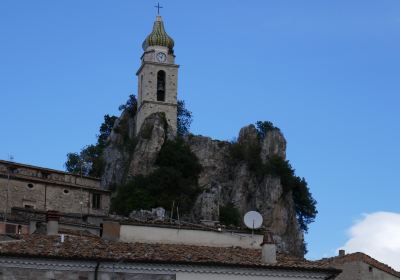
126	155
223	179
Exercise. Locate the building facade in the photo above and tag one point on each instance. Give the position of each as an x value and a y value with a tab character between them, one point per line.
45	189
360	266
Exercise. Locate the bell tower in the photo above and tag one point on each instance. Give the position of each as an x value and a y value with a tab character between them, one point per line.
157	77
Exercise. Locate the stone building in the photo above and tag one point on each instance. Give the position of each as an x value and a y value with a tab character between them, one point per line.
157	77
45	189
359	266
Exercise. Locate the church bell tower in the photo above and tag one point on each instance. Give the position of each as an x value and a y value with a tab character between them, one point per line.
157	77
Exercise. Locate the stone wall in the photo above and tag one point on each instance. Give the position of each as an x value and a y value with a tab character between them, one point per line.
43	189
147	89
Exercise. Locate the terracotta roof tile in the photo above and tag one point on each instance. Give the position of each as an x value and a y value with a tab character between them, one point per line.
354	257
86	247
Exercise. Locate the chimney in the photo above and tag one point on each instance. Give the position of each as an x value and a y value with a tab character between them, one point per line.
52	218
342	253
268	249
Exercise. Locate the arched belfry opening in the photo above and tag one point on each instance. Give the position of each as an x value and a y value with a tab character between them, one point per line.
161	85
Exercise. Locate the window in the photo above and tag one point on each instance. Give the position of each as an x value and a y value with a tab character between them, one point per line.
161	85
66	191
96	199
30	186
11	229
140	90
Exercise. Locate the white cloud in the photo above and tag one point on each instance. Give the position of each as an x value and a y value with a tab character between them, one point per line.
378	235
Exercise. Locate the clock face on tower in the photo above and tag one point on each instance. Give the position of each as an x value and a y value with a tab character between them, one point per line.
161	57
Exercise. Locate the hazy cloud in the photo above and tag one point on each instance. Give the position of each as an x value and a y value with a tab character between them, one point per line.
378	235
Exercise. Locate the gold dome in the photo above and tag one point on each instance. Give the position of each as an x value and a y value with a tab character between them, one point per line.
158	37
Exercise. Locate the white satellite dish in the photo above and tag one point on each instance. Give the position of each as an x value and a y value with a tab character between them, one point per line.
253	220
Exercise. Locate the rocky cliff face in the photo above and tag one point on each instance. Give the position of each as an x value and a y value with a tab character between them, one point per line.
222	180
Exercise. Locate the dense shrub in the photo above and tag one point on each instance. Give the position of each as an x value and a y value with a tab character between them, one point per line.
229	215
175	180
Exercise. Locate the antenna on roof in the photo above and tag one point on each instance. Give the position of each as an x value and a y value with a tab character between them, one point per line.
253	220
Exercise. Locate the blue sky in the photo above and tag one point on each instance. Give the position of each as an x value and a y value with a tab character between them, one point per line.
325	72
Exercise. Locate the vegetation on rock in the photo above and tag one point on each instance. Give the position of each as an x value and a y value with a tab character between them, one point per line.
89	161
173	182
130	105
229	215
185	119
305	204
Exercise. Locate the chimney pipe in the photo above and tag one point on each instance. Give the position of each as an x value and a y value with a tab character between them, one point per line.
52	219
342	253
268	249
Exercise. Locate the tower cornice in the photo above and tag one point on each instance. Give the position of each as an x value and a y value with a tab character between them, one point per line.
157	64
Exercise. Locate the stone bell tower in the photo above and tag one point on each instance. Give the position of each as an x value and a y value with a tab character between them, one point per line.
157	77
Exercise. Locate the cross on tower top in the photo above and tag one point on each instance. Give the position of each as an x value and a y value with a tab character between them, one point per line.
158	8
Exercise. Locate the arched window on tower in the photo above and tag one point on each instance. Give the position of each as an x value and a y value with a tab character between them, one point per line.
161	85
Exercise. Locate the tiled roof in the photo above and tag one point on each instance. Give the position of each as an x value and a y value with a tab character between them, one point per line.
94	248
17	164
354	257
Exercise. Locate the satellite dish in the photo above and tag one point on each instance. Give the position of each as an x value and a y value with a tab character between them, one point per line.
253	220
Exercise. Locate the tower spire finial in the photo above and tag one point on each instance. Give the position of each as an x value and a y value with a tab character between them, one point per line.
158	8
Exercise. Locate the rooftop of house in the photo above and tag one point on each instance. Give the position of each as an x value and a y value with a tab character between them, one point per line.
94	248
43	169
20	171
357	257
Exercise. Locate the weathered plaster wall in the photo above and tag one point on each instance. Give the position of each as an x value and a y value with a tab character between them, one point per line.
361	271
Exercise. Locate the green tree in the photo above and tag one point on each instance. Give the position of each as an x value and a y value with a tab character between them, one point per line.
105	130
130	105
184	120
263	127
89	161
